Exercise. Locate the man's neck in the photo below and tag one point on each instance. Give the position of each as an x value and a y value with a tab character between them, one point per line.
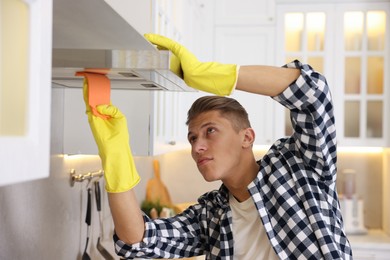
238	186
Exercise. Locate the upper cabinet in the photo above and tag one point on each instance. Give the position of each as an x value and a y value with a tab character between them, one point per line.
245	12
25	70
189	23
249	45
244	35
349	44
364	85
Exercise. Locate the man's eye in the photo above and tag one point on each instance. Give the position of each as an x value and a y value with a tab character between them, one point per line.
210	130
192	139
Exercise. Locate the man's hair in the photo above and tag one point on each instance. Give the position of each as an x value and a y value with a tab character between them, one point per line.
229	108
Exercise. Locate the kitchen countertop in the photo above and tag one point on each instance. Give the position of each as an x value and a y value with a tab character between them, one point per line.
375	239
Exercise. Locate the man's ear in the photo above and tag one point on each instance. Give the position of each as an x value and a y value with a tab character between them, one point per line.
249	137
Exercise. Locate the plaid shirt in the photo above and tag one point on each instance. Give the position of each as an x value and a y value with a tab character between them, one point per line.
294	193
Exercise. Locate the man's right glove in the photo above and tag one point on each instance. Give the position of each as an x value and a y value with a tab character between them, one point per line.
212	77
112	138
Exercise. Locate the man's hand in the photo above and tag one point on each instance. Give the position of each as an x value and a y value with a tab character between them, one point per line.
212	77
112	138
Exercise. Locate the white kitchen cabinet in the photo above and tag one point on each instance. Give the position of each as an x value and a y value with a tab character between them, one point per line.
170	131
198	36
170	108
250	45
25	69
348	44
168	120
231	12
364	85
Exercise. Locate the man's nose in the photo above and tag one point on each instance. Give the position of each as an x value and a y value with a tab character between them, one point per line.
200	145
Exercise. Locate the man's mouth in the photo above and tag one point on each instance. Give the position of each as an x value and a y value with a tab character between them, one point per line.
203	160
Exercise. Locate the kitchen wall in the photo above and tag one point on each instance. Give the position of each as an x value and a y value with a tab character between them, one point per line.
368	165
44	219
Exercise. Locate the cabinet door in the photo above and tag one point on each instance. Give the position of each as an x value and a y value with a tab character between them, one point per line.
304	34
189	23
198	35
253	12
245	45
25	62
363	60
169	122
347	43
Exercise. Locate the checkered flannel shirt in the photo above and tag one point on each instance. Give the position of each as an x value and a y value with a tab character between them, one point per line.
294	193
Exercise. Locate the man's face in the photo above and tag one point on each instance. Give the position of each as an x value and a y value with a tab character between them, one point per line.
216	146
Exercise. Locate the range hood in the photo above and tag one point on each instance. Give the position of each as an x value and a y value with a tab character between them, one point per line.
90	35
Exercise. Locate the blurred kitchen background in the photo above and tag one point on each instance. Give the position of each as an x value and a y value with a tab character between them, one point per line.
44	133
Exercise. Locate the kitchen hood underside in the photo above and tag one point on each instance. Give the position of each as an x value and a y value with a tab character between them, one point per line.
98	39
135	70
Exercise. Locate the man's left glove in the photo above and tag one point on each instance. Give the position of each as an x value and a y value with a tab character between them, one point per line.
112	138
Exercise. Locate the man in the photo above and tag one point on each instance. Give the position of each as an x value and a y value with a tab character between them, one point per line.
283	206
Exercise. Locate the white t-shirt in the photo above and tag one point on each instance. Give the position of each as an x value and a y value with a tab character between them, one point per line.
250	238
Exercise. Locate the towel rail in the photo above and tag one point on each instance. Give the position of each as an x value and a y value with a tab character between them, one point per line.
80	177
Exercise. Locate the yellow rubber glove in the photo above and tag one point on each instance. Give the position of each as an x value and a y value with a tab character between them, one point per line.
212	77
112	138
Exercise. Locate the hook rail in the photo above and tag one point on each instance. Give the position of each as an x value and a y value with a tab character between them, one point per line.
74	177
